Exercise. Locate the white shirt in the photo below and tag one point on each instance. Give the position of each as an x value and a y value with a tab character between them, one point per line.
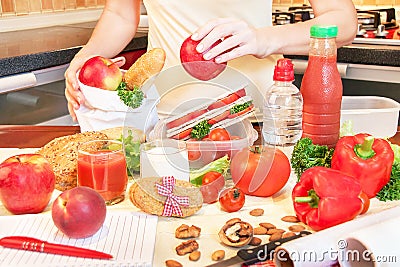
172	21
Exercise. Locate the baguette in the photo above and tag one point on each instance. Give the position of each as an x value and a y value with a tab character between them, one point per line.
149	64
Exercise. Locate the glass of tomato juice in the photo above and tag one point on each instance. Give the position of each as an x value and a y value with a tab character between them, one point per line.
102	166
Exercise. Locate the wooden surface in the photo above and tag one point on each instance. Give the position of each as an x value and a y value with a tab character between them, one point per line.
27	136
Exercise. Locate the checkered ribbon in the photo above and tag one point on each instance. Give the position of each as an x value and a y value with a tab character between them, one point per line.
173	203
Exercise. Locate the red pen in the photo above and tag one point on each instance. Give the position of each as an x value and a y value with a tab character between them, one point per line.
33	244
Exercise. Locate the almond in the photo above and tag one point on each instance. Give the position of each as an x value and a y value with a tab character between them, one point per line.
195	255
296	228
172	263
275	236
260	231
267	225
218	255
255	241
257	212
290	218
288	234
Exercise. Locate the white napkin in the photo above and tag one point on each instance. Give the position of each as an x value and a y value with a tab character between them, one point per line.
376	245
324	248
104	109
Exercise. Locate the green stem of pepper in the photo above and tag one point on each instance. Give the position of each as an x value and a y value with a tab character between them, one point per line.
365	150
311	199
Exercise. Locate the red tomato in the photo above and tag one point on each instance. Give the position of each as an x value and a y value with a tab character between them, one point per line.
183	134
219	117
231	199
228	99
185	118
219	134
212	183
260	174
365	200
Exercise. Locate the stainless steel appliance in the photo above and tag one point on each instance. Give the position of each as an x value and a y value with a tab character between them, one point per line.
35	97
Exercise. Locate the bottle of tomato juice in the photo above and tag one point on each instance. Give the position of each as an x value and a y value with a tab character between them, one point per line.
322	88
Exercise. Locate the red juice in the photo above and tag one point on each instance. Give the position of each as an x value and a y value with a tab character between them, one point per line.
322	90
105	172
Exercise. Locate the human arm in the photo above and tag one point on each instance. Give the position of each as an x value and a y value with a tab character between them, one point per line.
115	29
244	39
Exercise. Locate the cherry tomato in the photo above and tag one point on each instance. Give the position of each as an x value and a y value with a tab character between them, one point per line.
260	171
210	177
365	200
219	134
212	183
208	150
231	199
193	155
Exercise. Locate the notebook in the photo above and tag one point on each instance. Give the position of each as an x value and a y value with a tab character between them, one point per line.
128	236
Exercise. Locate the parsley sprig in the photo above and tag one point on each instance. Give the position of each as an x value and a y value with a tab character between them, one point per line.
131	98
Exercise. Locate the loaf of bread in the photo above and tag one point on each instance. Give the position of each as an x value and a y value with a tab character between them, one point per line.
144	195
149	64
62	153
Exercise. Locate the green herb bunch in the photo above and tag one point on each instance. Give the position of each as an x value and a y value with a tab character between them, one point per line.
306	155
131	98
391	191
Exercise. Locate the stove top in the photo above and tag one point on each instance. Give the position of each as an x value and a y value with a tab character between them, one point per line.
375	26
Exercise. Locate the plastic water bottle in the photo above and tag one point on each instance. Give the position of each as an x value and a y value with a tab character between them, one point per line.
283	104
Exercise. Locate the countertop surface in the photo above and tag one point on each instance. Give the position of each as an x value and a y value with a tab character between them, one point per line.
28	50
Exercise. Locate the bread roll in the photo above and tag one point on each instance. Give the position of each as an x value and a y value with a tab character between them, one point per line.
149	64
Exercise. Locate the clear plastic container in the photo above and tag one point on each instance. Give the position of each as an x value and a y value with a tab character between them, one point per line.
212	150
375	115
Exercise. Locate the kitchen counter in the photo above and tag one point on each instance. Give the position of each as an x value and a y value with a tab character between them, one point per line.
368	54
275	207
35	49
28	50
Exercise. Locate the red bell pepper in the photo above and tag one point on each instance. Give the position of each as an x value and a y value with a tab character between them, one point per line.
325	197
366	158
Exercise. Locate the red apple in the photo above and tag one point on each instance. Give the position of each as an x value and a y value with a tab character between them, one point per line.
26	183
100	72
79	212
194	63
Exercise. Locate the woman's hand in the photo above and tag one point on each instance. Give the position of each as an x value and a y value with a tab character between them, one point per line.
239	39
72	92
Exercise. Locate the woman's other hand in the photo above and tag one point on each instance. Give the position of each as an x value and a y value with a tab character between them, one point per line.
239	39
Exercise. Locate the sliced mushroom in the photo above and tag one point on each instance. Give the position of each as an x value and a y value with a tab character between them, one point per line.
236	233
